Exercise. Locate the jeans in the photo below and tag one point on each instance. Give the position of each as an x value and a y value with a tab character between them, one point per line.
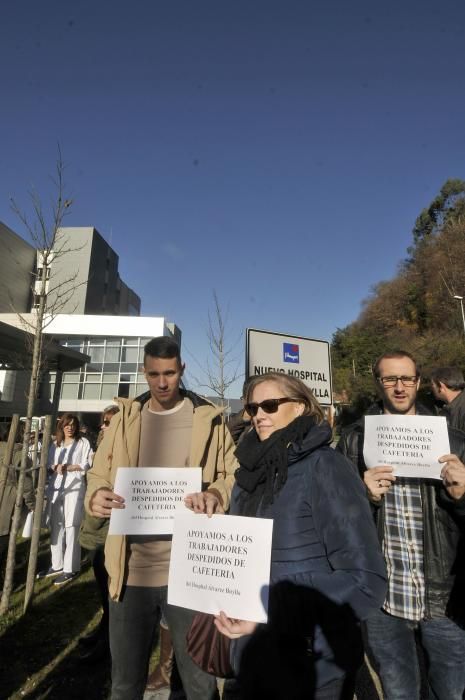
391	641
134	621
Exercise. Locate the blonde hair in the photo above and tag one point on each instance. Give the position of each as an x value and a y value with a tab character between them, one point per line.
293	388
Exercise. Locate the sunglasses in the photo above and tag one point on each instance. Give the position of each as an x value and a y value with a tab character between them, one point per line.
268	406
106	423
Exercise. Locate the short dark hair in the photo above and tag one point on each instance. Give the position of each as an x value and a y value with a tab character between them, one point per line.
163	347
452	377
394	355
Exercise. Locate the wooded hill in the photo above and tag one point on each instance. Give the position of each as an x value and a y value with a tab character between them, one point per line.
416	310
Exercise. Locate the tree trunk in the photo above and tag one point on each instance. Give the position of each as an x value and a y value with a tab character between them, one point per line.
40	497
35	373
8	454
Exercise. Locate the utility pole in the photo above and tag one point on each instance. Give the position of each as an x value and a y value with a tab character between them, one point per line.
460	299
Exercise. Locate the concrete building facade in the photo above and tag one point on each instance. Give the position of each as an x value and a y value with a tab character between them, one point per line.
84	262
115	346
17	267
100	319
87	263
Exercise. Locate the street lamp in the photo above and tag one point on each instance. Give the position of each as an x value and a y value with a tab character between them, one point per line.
456	296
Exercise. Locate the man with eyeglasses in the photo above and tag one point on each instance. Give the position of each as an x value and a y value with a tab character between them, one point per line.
170	427
420	525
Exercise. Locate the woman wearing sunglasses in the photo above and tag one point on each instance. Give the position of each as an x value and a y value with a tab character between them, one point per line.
327	570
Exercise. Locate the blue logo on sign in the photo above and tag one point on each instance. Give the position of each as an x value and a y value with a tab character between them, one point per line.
290	352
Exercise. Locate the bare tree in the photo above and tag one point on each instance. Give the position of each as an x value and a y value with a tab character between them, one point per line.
40	498
221	367
49	299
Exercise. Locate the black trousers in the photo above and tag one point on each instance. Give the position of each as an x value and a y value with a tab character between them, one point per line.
97	559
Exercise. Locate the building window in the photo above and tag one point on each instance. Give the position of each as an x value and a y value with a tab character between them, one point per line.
112	354
114	369
109	391
109	378
96	354
91	391
93	378
40	273
123	390
129	355
69	391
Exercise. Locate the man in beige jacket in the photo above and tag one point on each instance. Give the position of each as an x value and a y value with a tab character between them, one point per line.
174	428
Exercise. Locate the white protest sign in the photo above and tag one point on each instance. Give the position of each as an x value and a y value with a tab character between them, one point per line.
152	495
221	563
410	444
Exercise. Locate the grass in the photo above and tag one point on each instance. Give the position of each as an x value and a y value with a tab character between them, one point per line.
39	650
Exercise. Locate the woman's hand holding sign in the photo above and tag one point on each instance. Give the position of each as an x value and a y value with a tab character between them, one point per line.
233	628
208	502
378	480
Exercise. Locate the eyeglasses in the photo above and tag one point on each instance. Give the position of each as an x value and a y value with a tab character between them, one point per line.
392	381
106	423
269	405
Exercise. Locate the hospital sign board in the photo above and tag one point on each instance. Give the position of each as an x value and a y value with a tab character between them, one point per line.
306	358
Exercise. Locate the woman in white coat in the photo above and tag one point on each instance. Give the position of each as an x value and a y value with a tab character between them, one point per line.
68	462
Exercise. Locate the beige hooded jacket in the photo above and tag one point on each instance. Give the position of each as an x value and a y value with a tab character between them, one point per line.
212	448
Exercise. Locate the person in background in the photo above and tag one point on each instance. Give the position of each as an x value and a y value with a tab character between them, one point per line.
239	422
9	481
420	526
92	538
34	462
448	384
68	462
327	569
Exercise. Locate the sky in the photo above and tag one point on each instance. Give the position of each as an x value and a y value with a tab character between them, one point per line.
276	152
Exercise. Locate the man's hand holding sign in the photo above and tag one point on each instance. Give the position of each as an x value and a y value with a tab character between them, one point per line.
453	475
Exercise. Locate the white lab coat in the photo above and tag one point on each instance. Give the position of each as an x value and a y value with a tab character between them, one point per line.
66	501
71	486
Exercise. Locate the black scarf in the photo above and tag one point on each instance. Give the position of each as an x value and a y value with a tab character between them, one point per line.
263	464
